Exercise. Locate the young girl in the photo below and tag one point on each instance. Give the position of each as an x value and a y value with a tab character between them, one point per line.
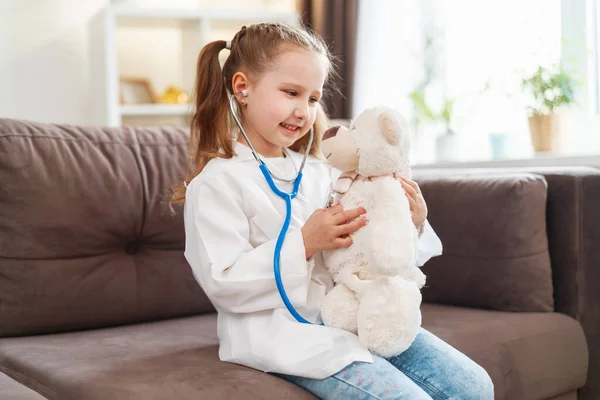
232	220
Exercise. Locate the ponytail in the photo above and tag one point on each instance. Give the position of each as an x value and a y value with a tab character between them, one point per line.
210	134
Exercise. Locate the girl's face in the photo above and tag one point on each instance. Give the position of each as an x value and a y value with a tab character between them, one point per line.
281	105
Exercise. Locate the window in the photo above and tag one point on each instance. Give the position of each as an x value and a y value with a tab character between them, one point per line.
486	48
473	55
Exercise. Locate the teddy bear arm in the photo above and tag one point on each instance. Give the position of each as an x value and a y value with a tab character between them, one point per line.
418	277
353	282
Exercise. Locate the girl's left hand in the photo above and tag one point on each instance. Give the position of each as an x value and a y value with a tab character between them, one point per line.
418	207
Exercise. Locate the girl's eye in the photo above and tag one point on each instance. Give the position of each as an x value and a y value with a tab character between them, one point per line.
294	93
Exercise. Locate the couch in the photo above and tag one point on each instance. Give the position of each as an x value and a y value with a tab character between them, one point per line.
97	300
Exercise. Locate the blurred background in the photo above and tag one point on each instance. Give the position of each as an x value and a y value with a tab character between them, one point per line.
481	81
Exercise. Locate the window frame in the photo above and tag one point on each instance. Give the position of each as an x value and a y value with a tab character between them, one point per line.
596	52
580	49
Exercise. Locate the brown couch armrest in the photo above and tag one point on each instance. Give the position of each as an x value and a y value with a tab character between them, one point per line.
573	220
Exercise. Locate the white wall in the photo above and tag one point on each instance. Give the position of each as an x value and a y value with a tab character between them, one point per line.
44	60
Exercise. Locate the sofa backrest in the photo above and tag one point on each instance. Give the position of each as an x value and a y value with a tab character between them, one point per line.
572	228
493	230
87	238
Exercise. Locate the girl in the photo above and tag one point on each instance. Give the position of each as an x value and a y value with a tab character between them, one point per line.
232	220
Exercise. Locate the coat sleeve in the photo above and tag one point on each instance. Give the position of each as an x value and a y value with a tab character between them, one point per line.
236	276
430	245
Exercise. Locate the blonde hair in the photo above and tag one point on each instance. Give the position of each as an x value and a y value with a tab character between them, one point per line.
253	50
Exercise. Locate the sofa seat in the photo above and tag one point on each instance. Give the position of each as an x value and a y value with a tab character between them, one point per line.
525	354
171	359
13	390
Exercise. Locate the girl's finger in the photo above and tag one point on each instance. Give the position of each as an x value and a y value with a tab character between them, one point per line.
338	208
411	201
348	215
412	183
409	190
350	227
342	242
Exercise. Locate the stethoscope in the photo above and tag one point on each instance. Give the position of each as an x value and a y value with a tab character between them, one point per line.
288	204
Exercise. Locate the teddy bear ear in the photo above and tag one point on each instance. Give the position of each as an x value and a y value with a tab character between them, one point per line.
389	127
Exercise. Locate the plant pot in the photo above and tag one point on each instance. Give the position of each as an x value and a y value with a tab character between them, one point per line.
447	146
422	146
544	132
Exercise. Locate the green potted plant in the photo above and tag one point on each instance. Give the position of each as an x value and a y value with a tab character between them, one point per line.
549	88
424	113
446	141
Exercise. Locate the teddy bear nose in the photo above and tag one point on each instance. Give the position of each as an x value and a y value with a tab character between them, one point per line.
331	132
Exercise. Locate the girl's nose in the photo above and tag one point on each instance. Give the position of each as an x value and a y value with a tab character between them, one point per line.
331	132
302	112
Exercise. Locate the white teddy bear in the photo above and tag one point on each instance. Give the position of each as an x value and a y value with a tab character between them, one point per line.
377	293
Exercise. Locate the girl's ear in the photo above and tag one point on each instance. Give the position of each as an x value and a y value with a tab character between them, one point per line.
239	82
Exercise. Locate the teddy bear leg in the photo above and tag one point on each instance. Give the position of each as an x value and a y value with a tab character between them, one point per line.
339	308
389	317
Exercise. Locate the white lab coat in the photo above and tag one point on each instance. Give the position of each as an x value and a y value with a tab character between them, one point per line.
232	220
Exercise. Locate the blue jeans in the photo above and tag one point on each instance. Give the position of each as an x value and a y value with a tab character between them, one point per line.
429	369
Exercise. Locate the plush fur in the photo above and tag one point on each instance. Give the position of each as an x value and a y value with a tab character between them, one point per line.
377	293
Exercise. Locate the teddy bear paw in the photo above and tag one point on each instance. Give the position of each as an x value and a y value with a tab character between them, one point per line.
418	277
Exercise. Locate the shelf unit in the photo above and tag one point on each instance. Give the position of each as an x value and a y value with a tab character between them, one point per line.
161	45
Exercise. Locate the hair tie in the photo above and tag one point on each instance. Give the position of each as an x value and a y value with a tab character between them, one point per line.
228	45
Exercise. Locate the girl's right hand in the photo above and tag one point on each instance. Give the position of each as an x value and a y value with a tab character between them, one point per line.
330	228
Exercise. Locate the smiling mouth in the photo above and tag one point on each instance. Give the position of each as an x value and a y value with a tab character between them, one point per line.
290	128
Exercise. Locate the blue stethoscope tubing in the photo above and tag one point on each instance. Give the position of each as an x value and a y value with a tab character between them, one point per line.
287	197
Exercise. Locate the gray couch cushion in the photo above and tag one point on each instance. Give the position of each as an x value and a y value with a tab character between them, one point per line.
86	238
493	229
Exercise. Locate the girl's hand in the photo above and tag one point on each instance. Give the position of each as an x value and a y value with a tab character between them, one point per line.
418	207
330	228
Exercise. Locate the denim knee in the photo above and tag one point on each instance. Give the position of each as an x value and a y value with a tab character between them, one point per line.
478	387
